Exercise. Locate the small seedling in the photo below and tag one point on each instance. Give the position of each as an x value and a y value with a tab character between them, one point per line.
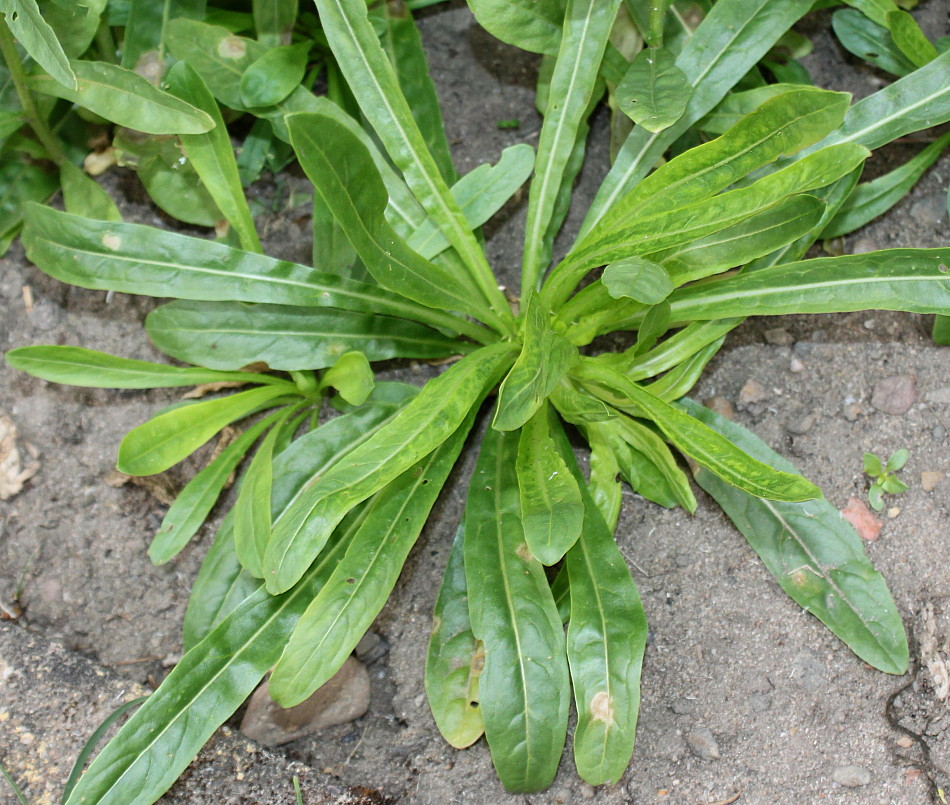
884	478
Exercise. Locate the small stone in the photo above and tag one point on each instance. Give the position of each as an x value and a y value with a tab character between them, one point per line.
795	366
371	648
893	512
683	706
895	395
863	246
752	392
941	396
343	698
859	515
586	791
905	742
870	324
929	479
801	425
721	406
851	411
851	776
703	744
779	336
808	670
939	433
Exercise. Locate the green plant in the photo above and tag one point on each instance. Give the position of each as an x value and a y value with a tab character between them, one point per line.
326	515
883	475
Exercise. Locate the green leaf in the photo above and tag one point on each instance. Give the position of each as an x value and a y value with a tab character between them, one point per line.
229	335
84	196
74	25
910	39
524	688
76	366
606	639
897	460
704	445
604	486
552	511
418	429
274	20
815	555
872	464
146	30
351	376
870	42
273	76
894	486
941	330
533	25
360	585
871	199
654	92
193	504
126	99
544	360
681	379
656	321
637	279
165	440
738	104
26	23
455	659
578	407
343	172
874	496
212	156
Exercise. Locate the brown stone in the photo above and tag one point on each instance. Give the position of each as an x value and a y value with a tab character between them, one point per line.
865	523
929	479
721	406
895	395
752	392
343	698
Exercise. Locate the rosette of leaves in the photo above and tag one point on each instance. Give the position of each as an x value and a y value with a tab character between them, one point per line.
675	254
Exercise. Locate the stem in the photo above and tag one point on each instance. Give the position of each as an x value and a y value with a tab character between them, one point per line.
30	113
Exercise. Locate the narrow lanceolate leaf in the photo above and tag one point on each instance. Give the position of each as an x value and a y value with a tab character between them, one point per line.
168	438
815	555
418	429
196	500
912	280
552	511
871	199
126	99
83	195
274	20
212	156
869	41
455	659
524	686
697	440
77	366
545	358
359	586
533	25
374	83
343	173
605	491
587	25
606	639
654	91
144	260
207	685
26	23
229	335
912	41
681	379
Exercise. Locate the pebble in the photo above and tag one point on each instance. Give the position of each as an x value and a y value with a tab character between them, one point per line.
753	392
683	706
859	515
371	647
905	742
808	670
779	336
895	395
939	433
863	246
795	366
801	425
929	479
703	744
586	791
893	512
851	776
941	396
721	406
851	411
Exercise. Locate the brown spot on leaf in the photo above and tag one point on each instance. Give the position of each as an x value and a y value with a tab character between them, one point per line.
232	47
524	552
602	708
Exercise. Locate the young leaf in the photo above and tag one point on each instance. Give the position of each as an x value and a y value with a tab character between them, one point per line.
897	460
82	195
168	438
815	555
872	464
637	279
910	39
418	429
875	496
273	76
351	376
869	41
229	335
455	659
26	23
656	321
126	99
654	92
524	688
552	511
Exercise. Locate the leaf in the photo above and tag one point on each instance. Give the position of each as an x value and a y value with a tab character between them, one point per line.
342	171
212	156
738	104
146	30
698	441
578	407
815	556
654	91
869	41
83	196
587	25
418	429
274	75
533	25
76	366
74	25
606	639
455	659
637	279
207	685
913	280
656	321
877	503
910	39
166	439
941	330
351	376
193	504
360	585
897	460
681	379
544	360
872	464
552	511
126	99
604	485
524	688
871	199
26	23
274	20
229	335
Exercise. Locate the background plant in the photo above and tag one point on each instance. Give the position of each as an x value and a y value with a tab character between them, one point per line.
326	514
883	475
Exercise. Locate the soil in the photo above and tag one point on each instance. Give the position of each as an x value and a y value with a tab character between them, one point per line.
743	693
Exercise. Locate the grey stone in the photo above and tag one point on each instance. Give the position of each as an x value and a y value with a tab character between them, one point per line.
895	395
801	425
851	776
371	648
808	671
753	392
683	706
779	336
703	743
